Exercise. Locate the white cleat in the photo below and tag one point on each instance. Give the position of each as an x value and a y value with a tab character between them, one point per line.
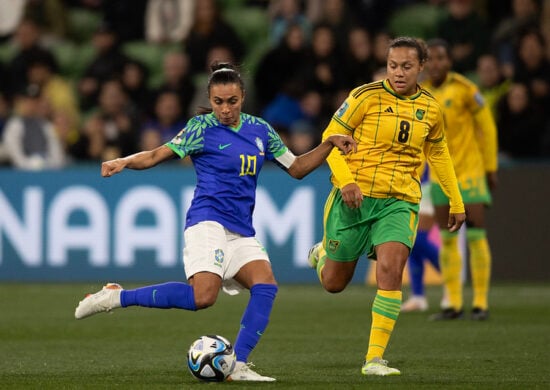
105	300
378	367
244	372
415	303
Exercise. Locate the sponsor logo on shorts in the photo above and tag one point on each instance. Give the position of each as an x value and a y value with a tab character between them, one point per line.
218	257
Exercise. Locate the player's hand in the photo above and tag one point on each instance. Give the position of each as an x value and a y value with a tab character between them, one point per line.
352	196
111	167
345	143
455	221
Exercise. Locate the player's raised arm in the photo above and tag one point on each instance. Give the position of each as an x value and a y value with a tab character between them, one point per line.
139	161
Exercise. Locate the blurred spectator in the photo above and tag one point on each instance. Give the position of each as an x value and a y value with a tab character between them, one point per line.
167	122
520	126
168	21
284	111
209	29
121	123
91	143
150	139
135	81
126	18
108	63
282	15
359	64
380	45
305	132
322	66
51	16
12	12
58	95
280	65
491	81
375	14
177	78
338	15
29	45
30	139
505	37
465	32
533	69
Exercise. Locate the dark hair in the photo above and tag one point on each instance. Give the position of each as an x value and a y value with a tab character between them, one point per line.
414	43
224	73
438	42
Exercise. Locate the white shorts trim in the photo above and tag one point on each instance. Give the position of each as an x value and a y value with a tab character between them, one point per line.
209	247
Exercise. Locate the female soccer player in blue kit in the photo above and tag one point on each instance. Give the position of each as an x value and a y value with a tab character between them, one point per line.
228	149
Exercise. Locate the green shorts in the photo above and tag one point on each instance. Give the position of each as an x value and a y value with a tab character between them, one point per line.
473	190
350	233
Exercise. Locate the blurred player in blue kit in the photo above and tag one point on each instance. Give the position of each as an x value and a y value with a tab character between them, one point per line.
228	149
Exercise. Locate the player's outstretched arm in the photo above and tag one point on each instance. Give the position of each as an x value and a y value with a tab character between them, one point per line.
141	160
307	162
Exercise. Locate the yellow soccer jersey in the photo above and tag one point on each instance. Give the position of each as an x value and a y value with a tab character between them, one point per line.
392	133
471	130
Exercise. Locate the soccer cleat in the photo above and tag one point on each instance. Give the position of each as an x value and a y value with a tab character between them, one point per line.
478	314
378	367
415	303
105	300
447	314
313	255
244	372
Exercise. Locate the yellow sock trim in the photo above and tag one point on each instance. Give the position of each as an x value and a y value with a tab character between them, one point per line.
385	310
450	262
480	264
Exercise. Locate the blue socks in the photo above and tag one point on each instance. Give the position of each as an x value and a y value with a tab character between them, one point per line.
181	295
163	296
423	249
255	319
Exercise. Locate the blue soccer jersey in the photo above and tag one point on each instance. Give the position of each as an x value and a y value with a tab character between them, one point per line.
227	163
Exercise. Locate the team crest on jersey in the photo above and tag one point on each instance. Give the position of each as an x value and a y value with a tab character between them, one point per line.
333	245
260	145
343	108
218	257
420	114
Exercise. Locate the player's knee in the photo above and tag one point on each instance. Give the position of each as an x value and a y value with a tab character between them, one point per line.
333	286
206	299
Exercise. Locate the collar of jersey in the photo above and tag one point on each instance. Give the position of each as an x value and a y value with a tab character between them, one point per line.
235	129
387	87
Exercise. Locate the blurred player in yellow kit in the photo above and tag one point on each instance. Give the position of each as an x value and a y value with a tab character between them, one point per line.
472	140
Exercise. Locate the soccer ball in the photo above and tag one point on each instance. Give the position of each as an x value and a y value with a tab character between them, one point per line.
211	358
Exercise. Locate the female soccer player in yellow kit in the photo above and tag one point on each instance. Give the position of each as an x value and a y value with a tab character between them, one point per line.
373	206
472	140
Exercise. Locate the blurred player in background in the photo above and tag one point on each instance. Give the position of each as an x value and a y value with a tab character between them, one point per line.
228	149
472	140
373	206
423	249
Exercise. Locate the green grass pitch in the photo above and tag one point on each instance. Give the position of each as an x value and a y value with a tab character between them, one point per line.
314	341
